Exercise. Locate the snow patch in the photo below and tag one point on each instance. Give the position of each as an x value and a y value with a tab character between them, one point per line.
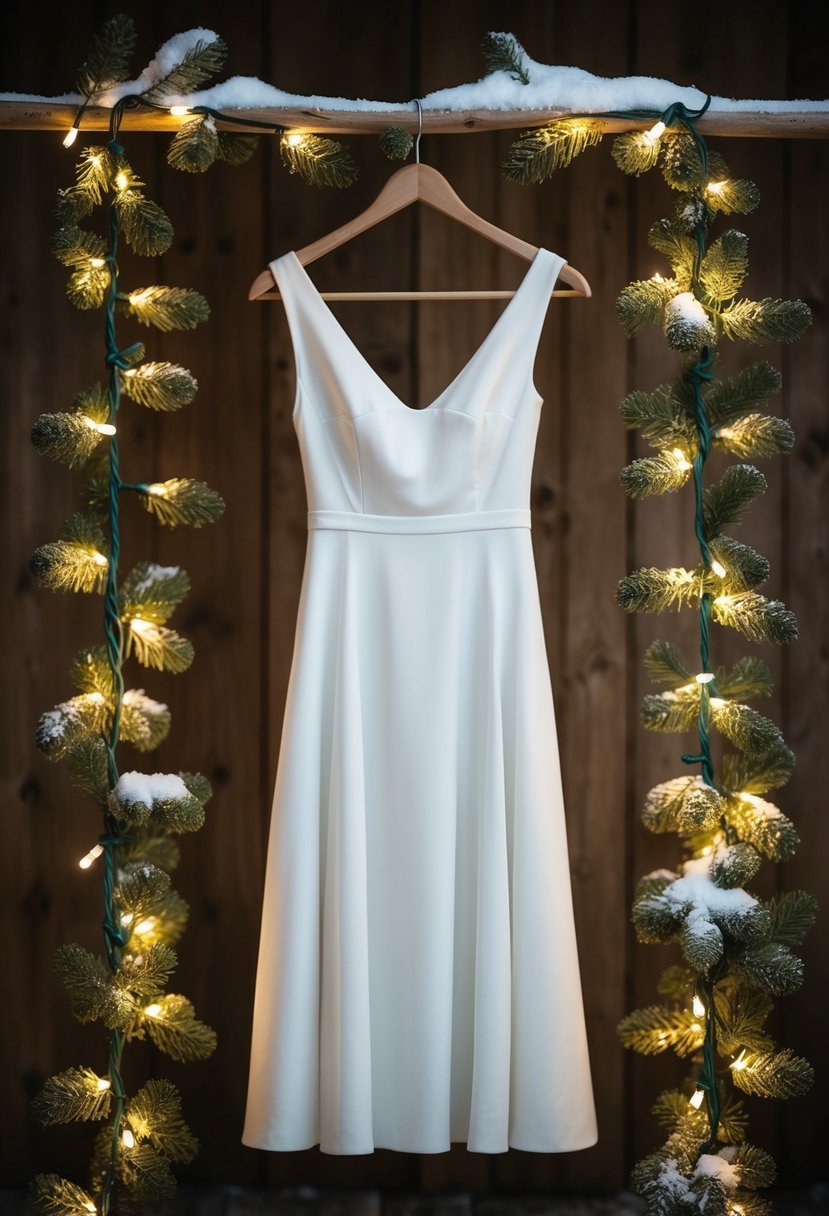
147	788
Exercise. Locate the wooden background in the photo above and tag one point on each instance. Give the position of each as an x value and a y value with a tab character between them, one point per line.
246	570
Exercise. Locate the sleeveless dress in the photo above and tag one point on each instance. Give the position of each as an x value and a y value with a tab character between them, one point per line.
418	979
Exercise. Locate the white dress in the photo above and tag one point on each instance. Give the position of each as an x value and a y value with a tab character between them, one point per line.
418	978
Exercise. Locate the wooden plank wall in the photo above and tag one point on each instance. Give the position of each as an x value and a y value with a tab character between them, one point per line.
246	570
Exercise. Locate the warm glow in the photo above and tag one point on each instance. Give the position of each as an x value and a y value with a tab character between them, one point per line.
704	677
127	918
715	187
723	599
128	1138
121	180
752	798
177	111
99	559
157	487
97	698
90	1207
294	138
103	1083
105	428
152	1011
97	262
698	1007
653	135
68	140
145	925
718	568
139	625
682	461
740	1063
657	278
95	851
696	1098
717	702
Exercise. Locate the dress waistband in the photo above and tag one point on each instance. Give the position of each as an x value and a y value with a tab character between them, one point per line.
463	521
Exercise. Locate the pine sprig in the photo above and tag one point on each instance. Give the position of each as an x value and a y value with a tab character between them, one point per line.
108	60
319	160
199	63
504	53
537	153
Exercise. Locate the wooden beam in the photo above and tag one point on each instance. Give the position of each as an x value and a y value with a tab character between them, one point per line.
48	116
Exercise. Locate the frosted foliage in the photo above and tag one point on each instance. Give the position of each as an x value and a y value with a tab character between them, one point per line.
146	788
155	573
711	1166
551	87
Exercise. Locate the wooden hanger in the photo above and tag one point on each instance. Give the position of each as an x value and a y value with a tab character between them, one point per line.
417	183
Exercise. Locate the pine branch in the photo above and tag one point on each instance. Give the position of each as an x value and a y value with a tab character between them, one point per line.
144	723
174	1029
774	1074
146	226
159	386
235	147
634	153
70	1096
724	266
757	618
763	825
152	591
504	53
640	303
180	500
767	320
200	62
167	308
195	145
154	1114
662	474
56	1196
656	1029
727	499
758	773
537	153
728	400
682	805
108	60
319	160
665	665
792	915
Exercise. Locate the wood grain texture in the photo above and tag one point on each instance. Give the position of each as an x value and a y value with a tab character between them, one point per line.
246	570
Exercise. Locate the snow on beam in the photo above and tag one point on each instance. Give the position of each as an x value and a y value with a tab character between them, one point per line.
799	122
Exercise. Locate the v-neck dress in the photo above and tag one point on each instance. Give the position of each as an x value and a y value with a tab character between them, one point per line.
418	977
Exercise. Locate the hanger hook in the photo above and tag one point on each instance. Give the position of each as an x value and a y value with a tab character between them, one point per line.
419	131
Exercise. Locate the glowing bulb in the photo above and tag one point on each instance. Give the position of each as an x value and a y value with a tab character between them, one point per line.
152	1011
752	798
715	187
106	428
717	702
653	135
294	138
103	1083
128	1138
695	1026
99	559
127	918
139	625
121	180
177	111
90	1207
704	677
97	262
740	1063
145	925
157	487
696	1098
657	278
723	599
131	371
698	1007
95	851
68	140
706	852
96	698
682	461
718	568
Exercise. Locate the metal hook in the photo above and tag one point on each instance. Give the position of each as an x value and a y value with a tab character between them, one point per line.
419	131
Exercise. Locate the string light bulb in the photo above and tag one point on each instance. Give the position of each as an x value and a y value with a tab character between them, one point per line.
698	1006
121	180
100	560
294	138
103	1083
654	133
696	1098
715	187
718	568
157	487
90	1207
704	677
152	1011
139	625
740	1063
178	111
680	459
106	428
86	861
68	140
128	1138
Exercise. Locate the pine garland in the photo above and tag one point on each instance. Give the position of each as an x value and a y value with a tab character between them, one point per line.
125	987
